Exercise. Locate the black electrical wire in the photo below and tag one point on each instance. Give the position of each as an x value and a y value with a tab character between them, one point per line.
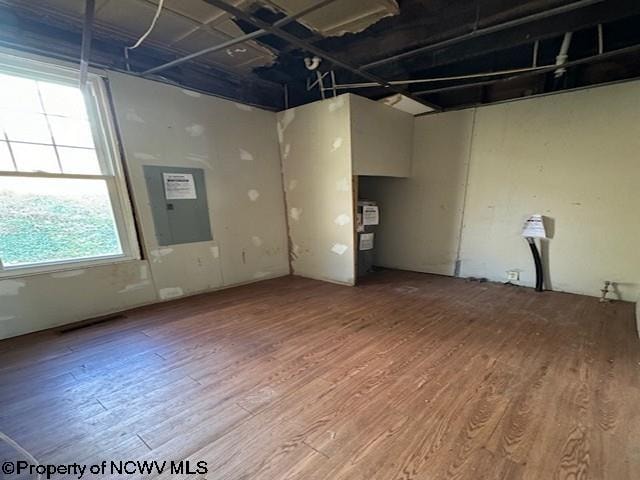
538	262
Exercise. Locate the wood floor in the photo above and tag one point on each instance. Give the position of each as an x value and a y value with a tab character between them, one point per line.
408	376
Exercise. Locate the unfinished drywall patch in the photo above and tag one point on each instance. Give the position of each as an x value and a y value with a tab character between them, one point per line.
243	107
253	194
195	130
257	241
337	143
337	103
68	274
342	219
203	160
343	185
246	156
134	286
145	156
11	287
286	150
133	116
170	292
339	248
284	120
158	253
295	213
191	93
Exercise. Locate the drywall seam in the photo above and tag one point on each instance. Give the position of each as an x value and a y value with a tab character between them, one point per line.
283	155
466	193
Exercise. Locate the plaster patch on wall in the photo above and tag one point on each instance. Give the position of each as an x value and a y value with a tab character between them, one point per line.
6	318
295	213
337	143
144	156
336	104
10	287
195	130
342	185
195	157
295	250
261	274
133	116
339	248
191	93
286	151
157	254
257	241
293	183
71	273
144	272
134	286
342	219
284	123
243	107
244	155
170	292
253	195
215	251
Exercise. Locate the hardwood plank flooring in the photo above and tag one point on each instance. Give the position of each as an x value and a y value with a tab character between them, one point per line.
407	376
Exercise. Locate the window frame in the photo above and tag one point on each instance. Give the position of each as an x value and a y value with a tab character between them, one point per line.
101	120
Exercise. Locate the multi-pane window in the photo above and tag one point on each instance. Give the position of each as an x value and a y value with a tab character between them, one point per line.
62	196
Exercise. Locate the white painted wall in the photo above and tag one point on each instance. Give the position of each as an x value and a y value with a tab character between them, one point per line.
315	144
381	138
572	157
165	125
421	215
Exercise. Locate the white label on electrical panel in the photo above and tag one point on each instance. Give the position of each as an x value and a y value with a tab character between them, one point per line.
179	186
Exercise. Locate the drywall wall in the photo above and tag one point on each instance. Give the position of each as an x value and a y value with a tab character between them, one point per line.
315	144
237	147
381	138
571	157
574	158
421	215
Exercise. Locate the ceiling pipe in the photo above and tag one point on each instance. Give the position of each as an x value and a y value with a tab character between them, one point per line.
563	54
483	31
304	45
539	71
235	41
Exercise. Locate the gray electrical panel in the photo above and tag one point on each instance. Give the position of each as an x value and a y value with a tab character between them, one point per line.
178	198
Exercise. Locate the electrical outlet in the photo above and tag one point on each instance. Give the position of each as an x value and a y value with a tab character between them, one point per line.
513	275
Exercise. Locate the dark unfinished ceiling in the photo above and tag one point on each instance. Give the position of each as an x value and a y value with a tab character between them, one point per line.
444	54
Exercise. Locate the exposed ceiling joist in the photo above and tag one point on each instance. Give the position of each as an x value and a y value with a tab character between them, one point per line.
221	4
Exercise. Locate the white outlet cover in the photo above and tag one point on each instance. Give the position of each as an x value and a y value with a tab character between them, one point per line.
512	275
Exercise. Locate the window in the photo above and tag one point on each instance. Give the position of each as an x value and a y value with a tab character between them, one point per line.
63	200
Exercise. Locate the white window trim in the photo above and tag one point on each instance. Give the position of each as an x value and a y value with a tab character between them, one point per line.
106	143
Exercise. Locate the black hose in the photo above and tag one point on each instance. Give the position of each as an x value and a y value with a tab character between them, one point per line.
538	263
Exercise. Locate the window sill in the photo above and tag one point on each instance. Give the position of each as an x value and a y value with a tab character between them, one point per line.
61	267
